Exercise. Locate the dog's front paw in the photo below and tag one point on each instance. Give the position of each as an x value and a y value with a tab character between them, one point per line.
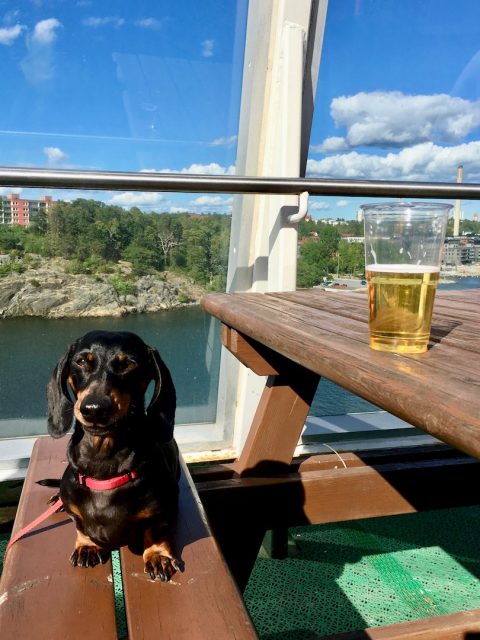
162	567
89	556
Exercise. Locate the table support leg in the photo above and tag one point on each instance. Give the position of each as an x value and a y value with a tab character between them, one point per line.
278	421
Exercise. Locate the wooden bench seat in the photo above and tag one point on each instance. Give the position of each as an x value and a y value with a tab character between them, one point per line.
43	597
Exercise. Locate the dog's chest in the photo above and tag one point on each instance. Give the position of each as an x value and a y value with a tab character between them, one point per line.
112	521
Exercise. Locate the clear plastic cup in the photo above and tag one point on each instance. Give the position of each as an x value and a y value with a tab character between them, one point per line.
403	252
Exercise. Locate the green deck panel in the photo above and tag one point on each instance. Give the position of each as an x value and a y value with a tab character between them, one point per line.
367	573
351	575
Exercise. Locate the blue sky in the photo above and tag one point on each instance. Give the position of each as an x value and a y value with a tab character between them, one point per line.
155	85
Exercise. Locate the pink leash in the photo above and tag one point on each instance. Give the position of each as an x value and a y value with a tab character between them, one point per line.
91	483
53	508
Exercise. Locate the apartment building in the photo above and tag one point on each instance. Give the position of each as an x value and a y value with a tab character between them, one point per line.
463	250
16	210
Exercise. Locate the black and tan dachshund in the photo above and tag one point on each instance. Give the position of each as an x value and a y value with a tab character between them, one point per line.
121	483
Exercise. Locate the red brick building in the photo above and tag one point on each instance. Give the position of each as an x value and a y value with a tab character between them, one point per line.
16	210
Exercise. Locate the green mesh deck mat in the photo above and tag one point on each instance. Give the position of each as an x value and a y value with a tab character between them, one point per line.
4	538
368	573
120	613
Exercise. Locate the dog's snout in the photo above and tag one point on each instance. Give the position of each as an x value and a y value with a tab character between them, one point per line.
96	409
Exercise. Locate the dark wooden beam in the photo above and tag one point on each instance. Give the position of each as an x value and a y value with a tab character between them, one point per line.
464	625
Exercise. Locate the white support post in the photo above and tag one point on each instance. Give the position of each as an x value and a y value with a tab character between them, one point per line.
282	56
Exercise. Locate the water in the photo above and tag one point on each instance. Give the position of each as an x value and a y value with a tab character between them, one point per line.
187	338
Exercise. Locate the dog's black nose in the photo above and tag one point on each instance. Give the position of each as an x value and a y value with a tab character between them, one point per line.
96	409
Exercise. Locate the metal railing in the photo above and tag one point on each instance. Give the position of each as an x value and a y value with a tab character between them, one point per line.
174	182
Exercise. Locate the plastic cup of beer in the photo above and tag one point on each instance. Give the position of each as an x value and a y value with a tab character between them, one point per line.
403	252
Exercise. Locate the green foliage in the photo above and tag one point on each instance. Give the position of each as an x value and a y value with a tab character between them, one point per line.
40	222
12	238
466	226
314	264
122	285
90	266
318	256
183	297
351	258
92	234
11	267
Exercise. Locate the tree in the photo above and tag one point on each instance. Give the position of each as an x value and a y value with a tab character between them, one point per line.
39	223
318	256
12	238
351	258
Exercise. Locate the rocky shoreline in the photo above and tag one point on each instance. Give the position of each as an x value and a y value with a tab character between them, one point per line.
49	291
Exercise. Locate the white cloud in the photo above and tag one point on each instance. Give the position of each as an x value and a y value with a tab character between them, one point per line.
4	191
8	35
96	22
329	145
391	118
178	210
212	201
315	206
422	162
45	31
149	23
342	203
137	199
212	169
38	65
54	155
225	141
207	48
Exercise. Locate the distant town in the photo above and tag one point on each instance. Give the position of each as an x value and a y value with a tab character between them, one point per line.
461	251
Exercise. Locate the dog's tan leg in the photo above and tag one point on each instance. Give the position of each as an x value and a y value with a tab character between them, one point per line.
87	553
159	558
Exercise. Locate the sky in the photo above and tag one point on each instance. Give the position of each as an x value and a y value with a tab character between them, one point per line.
155	85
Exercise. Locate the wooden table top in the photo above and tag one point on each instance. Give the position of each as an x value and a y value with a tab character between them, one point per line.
438	391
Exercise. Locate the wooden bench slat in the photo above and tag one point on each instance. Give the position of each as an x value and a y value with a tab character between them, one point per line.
41	595
201	603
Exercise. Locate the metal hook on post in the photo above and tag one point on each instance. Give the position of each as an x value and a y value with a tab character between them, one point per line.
302	208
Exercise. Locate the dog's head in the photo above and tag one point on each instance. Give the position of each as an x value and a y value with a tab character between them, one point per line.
101	380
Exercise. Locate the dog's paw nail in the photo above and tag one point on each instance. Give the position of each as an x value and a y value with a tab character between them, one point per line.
178	565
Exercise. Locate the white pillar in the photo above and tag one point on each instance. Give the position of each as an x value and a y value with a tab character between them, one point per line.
458	206
282	56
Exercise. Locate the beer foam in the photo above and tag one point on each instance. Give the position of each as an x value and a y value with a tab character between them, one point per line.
403	268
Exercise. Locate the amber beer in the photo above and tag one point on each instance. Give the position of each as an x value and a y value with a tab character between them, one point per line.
400	301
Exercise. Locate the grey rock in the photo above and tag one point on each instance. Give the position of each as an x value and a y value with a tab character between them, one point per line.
50	292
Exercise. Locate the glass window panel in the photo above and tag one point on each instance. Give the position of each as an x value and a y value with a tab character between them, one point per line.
398	94
397	99
86	265
144	86
132	86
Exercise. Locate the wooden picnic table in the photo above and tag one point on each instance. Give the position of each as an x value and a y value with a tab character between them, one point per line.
311	333
295	338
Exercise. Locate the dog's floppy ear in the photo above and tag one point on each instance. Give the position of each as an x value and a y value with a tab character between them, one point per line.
161	410
60	406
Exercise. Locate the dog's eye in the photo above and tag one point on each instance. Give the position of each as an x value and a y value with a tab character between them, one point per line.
85	360
123	363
